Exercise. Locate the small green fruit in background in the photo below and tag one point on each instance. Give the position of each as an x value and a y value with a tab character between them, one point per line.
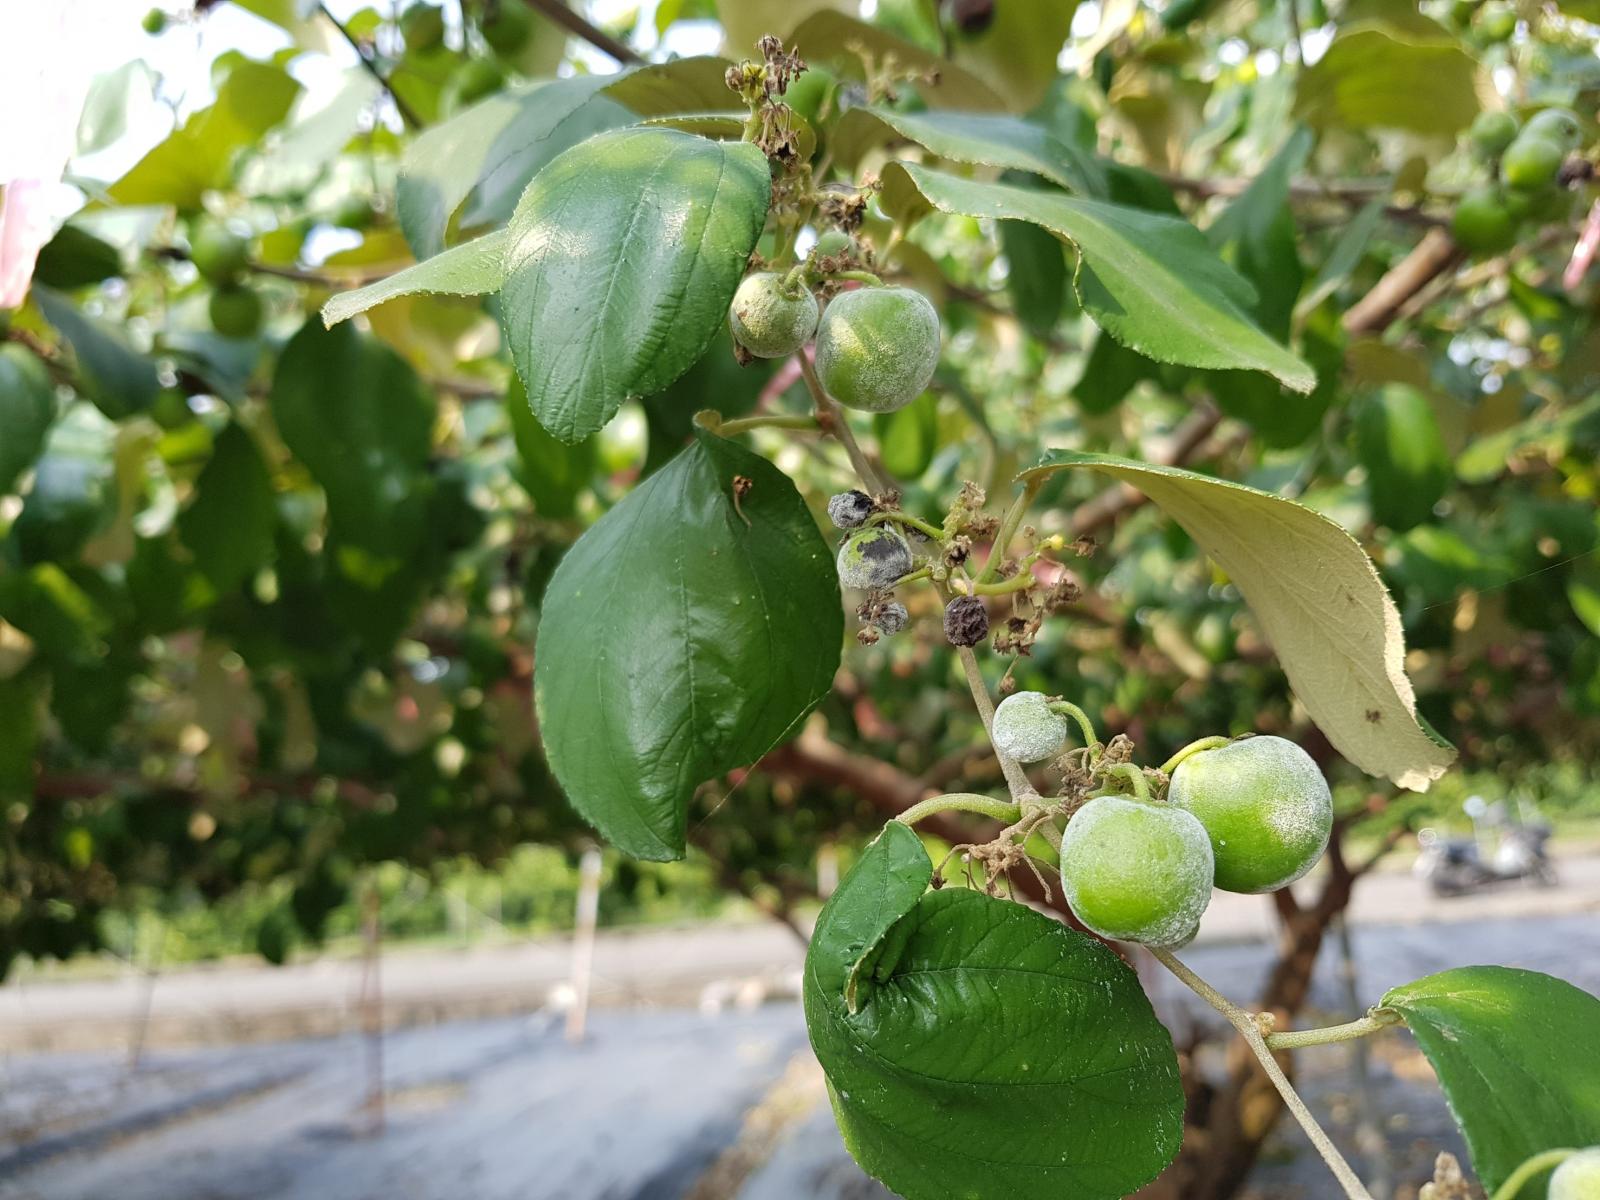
235	310
1492	132
1577	1178
422	27
1025	729
1531	162
1559	125
1137	871
809	95
155	22
507	27
473	80
874	558
1264	804
1482	223
831	242
1495	22
769	321
218	253
877	347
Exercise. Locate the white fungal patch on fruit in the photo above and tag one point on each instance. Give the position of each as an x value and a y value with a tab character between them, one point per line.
768	321
877	348
1025	729
1577	1178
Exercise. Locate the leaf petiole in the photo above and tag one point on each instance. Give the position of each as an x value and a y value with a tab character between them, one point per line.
971	802
1205	743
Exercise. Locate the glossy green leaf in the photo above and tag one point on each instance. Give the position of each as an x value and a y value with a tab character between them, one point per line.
1036	275
199	156
119	379
75	258
27	407
361	421
620	263
1377	75
553	473
974	1047
682	637
494	148
229	525
470	269
679	85
985	139
1517	1057
1399	443
1256	232
1149	280
1317	597
832	38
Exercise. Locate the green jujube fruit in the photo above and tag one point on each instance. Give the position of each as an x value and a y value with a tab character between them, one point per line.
1482	222
1265	806
235	311
1136	870
1492	132
877	347
1531	162
769	321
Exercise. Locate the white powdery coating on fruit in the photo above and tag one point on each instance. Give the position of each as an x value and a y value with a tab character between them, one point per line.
885	372
766	322
1025	729
1578	1178
1300	807
873	558
1152	846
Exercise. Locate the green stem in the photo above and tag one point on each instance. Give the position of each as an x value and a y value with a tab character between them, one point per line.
1141	785
1245	1024
1020	582
971	802
839	427
763	421
1009	525
903	518
1091	738
1539	1162
866	277
1205	743
1294	1039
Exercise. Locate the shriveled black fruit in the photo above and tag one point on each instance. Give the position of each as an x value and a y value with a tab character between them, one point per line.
966	621
849	510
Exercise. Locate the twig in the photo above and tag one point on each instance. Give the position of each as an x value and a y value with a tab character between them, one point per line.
573	23
969	802
1246	1025
1435	254
1016	780
407	114
832	419
1294	1039
1357	192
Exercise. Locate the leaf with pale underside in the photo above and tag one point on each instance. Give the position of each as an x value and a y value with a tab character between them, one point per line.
1317	597
470	269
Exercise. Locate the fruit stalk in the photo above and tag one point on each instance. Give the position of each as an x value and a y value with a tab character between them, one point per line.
830	417
1009	525
1205	743
1246	1025
971	802
1293	1039
1527	1170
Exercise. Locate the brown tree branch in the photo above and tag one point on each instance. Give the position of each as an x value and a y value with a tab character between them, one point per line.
573	23
407	113
1435	254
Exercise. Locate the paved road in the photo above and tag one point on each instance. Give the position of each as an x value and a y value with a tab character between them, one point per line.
655	1101
229	1004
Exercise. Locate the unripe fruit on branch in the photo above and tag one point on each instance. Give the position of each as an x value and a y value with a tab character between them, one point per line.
155	22
507	27
877	347
1531	162
1577	1178
422	27
1025	729
1136	870
874	558
966	621
235	311
1559	125
1483	223
1492	132
217	252
768	321
849	510
1265	805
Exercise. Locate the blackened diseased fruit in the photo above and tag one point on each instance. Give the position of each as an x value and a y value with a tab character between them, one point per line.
849	510
891	618
966	621
874	557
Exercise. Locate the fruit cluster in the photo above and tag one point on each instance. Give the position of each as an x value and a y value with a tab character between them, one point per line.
1249	815
1530	181
221	256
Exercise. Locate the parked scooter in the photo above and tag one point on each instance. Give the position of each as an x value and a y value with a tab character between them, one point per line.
1505	845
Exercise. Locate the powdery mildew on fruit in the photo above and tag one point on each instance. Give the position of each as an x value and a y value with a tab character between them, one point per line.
873	558
1296	806
1138	847
877	348
769	323
1025	729
1578	1178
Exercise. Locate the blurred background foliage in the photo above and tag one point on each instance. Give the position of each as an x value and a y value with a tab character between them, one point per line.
268	592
